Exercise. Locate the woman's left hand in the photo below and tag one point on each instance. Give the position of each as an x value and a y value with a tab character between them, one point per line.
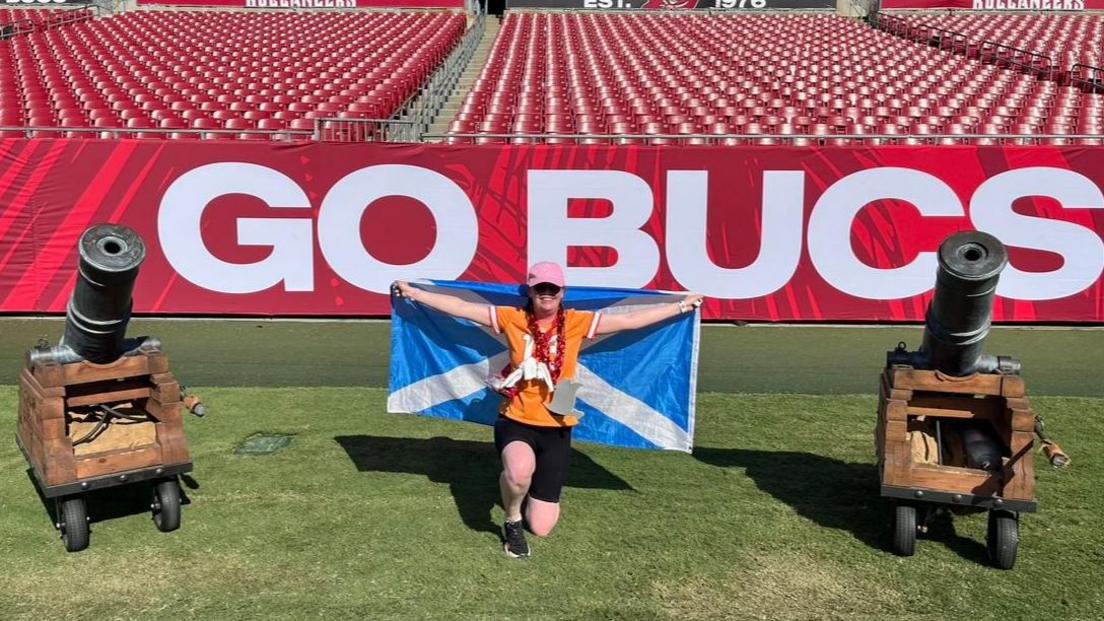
693	300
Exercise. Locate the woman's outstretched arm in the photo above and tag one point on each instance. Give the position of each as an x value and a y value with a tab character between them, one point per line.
448	304
609	324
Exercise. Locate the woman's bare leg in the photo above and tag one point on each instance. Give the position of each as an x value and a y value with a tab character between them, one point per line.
518	464
541	516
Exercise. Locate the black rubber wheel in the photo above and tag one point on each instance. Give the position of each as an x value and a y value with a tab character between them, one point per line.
904	530
166	505
1003	538
73	523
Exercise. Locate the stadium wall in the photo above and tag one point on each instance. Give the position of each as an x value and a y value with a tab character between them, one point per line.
772	234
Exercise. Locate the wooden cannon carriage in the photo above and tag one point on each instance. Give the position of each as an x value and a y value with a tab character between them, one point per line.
100	410
955	429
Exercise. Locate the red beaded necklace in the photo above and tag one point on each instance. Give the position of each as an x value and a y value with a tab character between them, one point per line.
542	343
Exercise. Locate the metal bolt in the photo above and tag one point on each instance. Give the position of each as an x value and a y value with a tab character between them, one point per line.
122	477
999	502
159	471
957	498
84	485
919	494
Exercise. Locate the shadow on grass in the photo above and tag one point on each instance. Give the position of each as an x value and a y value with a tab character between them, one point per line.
830	492
941	528
112	502
469	468
834	494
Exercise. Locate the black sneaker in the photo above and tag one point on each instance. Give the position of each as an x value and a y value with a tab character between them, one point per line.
514	540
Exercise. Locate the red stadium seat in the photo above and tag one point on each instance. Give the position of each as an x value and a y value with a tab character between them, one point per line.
209	64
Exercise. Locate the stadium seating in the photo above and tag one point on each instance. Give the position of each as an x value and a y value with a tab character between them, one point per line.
229	72
756	75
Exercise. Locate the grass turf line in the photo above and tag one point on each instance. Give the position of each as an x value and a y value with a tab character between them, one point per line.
370	515
778	359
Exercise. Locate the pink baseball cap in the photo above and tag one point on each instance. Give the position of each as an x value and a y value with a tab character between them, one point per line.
546	271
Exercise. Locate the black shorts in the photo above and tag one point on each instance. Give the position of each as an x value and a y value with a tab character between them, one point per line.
551	445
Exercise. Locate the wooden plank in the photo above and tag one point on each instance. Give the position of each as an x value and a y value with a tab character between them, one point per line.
934	381
1012	386
174	446
945	413
890	391
1020	469
898	456
969	403
953	480
1021	420
896	431
58	465
86	372
32	444
158	362
49	375
165	387
165	412
879	432
113	396
122	460
896	410
30	382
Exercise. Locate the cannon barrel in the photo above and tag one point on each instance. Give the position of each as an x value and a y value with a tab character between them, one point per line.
961	312
97	316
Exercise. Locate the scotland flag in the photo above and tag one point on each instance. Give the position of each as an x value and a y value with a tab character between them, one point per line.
637	386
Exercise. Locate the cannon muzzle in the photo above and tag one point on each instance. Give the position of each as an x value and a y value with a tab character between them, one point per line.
961	312
97	316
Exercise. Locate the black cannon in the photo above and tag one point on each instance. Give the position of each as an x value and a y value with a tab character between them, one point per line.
961	312
99	309
955	429
98	409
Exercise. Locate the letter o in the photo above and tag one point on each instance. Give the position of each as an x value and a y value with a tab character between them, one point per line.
344	205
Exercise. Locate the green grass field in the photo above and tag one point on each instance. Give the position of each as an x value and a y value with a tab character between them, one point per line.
776	515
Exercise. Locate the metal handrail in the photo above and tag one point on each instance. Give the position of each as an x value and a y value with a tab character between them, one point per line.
116	132
1095	81
715	138
961	43
416	114
28	26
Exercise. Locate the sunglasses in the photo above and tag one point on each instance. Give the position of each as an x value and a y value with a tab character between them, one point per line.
545	288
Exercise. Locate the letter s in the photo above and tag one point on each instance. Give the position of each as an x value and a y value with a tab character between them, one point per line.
1081	250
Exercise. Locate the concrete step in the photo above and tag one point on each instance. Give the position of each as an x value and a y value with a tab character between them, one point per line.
467	78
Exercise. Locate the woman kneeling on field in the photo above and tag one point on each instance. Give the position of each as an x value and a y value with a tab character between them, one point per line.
544	341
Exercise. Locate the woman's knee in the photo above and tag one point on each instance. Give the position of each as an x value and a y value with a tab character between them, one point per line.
518	465
518	479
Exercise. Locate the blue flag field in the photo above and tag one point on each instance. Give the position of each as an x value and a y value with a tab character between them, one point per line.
638	386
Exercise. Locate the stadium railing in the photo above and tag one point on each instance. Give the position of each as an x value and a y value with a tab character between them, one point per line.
279	135
774	139
1094	79
417	113
955	42
64	18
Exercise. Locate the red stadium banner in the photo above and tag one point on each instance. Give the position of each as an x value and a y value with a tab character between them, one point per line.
312	4
769	233
997	5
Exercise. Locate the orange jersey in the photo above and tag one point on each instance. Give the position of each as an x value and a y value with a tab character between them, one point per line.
533	395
